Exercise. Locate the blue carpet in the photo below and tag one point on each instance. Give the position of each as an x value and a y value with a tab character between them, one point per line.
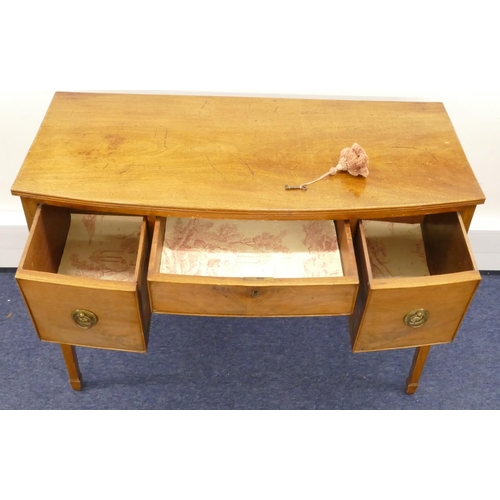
234	363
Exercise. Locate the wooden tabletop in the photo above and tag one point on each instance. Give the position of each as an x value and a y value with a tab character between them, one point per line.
232	156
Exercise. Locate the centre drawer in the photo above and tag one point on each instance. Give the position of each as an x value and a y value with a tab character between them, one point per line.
83	278
416	282
252	268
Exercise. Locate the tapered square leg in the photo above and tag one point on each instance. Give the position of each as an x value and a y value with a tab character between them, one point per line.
75	377
417	367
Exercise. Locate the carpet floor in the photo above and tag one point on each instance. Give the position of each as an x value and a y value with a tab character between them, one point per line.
256	363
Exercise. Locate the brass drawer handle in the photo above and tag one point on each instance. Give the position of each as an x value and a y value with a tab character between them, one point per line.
255	294
84	319
417	318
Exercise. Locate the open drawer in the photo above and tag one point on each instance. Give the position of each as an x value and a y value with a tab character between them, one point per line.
416	282
252	268
83	278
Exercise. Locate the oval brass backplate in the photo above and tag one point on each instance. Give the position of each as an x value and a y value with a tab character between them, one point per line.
84	319
417	318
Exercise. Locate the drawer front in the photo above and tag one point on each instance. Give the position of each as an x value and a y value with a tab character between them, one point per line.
219	296
52	305
408	311
113	314
383	325
253	300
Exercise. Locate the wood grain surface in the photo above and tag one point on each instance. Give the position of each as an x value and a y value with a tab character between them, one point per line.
231	157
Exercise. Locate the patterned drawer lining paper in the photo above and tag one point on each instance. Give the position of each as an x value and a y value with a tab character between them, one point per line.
258	249
102	246
395	249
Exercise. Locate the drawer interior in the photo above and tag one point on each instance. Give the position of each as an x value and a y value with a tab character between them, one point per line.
250	248
252	268
435	246
104	247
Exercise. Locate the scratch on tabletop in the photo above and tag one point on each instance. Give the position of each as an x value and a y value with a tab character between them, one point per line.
216	169
205	103
248	166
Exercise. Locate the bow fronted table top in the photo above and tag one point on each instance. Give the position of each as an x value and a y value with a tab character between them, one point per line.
230	157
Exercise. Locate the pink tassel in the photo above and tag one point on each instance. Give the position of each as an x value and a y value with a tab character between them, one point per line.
353	160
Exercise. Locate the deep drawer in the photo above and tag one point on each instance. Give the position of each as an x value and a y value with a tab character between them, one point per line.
416	282
84	279
242	295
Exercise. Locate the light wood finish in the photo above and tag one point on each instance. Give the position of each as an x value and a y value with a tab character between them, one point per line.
46	240
446	245
122	308
230	157
199	295
29	208
416	369
378	321
71	360
467	214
